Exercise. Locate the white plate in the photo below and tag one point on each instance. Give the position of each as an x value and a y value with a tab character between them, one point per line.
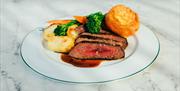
142	50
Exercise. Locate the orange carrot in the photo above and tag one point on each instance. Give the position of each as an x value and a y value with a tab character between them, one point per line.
59	21
81	19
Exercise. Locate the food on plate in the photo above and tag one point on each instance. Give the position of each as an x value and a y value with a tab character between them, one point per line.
81	19
56	22
60	44
95	50
48	33
99	46
80	63
94	22
103	38
62	28
72	32
122	20
86	41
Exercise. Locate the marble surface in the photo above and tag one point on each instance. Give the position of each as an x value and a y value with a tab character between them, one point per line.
18	17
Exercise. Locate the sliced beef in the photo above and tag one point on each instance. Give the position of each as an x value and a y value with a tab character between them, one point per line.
96	51
104	45
81	29
104	31
117	40
106	41
105	36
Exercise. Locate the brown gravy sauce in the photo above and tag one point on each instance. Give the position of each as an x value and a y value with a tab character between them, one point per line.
80	63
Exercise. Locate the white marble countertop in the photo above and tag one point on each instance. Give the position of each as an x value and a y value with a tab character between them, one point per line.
18	17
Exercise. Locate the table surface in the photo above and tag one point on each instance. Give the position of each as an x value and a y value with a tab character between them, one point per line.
18	17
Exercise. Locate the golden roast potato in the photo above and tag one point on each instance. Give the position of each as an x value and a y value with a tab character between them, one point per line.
122	20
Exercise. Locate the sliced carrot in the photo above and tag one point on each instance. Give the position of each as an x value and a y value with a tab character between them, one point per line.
59	21
81	19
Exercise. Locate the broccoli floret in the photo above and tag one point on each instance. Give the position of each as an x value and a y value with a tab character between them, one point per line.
62	29
94	22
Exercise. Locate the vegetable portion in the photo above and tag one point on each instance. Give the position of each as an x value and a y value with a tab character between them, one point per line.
81	19
60	44
71	32
48	33
57	43
62	29
94	22
56	22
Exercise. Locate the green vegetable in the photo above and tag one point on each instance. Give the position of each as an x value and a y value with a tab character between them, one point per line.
94	22
62	29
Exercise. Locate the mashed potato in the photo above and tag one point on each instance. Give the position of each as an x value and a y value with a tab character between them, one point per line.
58	43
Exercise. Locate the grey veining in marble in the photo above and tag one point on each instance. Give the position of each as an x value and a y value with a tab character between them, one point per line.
18	17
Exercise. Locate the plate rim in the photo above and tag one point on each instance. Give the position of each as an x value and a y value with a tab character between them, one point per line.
40	29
